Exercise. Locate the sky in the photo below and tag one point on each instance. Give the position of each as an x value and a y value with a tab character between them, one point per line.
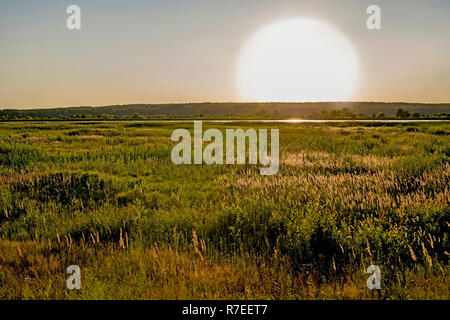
164	51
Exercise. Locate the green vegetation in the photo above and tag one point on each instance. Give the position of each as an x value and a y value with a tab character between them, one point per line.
236	110
106	196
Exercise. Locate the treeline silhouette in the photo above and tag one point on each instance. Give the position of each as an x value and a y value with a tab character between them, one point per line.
271	109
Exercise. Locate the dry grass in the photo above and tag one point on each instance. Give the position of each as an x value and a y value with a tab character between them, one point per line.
108	198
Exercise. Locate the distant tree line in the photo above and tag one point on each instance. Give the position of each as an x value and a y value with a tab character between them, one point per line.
259	110
400	113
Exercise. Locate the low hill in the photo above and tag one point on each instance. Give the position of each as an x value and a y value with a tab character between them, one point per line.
226	109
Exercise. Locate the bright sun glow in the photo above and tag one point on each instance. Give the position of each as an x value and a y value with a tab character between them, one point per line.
300	60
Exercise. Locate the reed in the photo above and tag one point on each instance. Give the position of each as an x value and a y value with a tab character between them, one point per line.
107	197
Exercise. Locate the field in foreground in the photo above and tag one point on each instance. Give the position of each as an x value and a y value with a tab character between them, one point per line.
105	196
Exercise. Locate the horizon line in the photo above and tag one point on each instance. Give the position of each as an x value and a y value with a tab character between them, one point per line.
221	102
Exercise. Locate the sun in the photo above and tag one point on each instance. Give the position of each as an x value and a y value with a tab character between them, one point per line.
298	60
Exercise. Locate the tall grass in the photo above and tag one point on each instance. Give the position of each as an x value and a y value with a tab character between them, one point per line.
106	196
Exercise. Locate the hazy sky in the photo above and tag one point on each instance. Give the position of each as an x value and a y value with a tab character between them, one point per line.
155	51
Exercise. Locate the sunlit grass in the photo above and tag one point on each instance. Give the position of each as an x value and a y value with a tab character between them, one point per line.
106	196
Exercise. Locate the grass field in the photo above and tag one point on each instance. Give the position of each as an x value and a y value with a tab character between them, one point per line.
106	197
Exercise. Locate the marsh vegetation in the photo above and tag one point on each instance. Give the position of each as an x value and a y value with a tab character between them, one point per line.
106	197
